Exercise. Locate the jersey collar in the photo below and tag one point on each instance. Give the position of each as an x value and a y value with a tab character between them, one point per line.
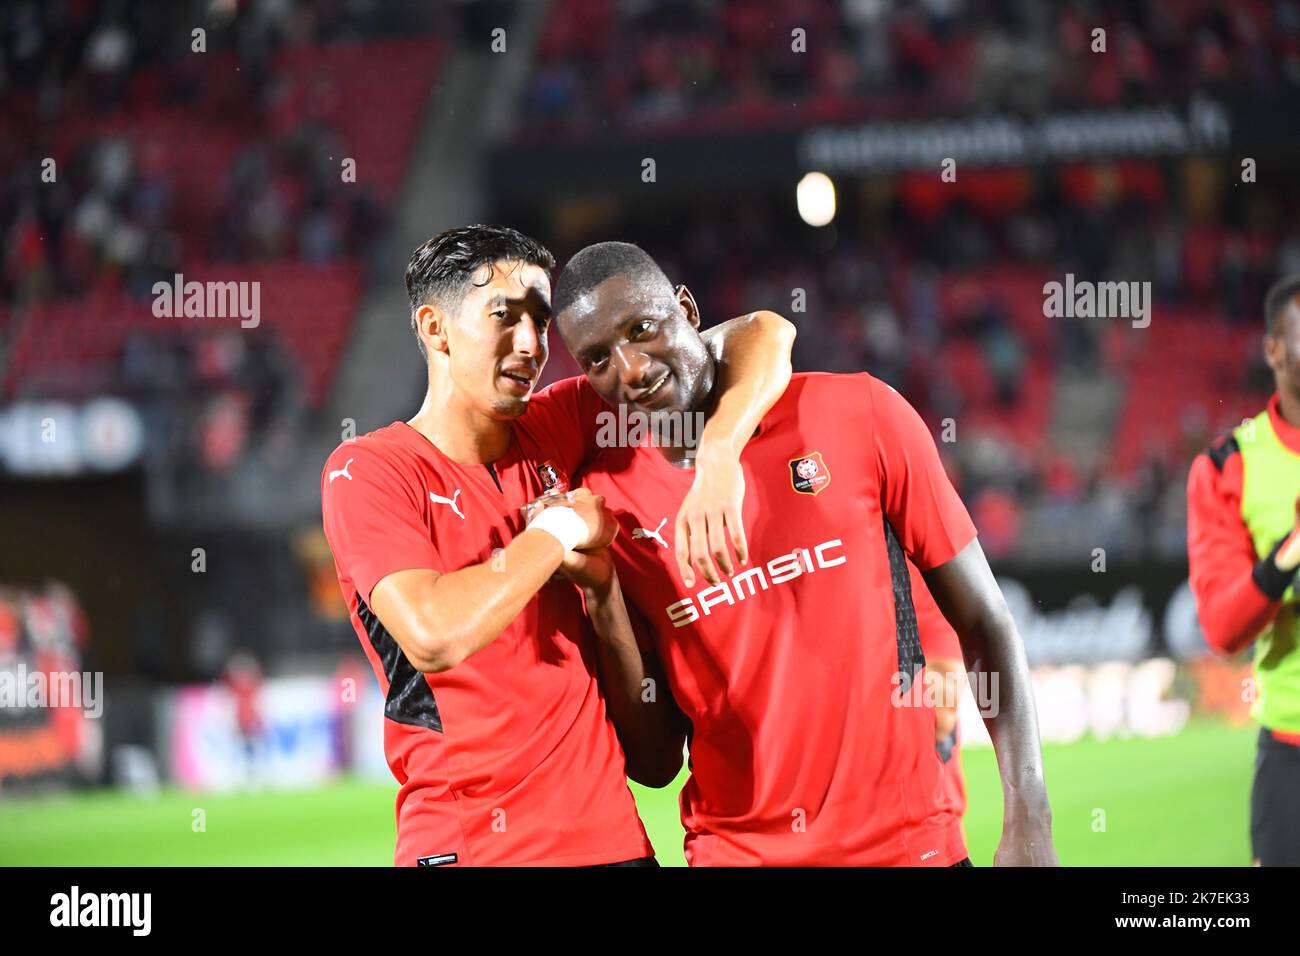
687	475
423	446
1287	433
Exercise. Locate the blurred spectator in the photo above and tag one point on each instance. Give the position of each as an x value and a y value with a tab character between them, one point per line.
243	679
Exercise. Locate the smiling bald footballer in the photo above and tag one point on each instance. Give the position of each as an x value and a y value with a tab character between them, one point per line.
785	677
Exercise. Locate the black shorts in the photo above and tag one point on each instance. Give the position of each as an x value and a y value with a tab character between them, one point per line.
1275	802
639	861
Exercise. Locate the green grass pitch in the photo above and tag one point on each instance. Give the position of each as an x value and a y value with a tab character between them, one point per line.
1175	801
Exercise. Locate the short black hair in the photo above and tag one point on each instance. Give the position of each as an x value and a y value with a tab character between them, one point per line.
442	269
1282	292
591	266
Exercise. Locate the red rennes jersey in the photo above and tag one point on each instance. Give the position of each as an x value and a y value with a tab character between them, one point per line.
507	758
789	670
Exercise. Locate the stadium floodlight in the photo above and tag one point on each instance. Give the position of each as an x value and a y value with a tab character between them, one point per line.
815	196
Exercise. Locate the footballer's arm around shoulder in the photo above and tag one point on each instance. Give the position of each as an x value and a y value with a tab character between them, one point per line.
753	357
753	353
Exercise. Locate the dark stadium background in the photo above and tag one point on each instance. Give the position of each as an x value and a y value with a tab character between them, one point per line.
165	532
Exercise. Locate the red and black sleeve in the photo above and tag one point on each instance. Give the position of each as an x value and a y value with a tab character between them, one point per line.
1237	595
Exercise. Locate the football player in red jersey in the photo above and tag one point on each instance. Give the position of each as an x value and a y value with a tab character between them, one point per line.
495	727
791	679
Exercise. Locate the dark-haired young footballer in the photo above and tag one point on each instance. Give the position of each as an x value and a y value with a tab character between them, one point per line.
495	727
802	751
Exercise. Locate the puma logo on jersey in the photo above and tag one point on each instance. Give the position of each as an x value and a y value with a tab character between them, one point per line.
780	570
647	533
440	500
342	471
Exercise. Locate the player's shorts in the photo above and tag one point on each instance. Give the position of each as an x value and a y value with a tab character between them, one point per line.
965	862
1275	802
639	861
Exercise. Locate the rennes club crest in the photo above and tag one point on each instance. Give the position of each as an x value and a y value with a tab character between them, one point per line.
809	474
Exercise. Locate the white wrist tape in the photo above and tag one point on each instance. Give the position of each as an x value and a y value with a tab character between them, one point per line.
564	524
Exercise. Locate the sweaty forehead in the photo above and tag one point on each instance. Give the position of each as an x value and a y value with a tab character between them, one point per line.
514	280
601	311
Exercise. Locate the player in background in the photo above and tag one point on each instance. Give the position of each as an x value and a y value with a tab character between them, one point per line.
243	679
1243	548
495	727
791	679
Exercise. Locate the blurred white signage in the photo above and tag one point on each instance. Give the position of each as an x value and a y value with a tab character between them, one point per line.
297	744
1112	699
61	438
1203	124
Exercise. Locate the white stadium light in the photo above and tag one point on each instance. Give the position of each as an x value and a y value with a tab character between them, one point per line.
815	197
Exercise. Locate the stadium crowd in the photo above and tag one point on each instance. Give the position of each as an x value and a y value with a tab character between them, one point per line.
98	85
938	289
638	63
126	155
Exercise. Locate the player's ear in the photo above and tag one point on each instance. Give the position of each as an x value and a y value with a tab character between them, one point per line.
1275	351
687	302
431	322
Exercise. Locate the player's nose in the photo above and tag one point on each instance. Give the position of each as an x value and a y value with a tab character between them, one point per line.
633	366
527	339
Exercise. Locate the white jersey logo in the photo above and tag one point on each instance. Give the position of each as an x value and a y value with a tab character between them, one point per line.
760	577
647	533
342	471
440	500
